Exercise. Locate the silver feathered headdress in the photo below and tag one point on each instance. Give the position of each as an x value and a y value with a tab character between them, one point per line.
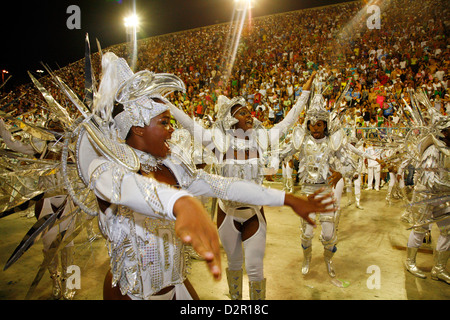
135	91
317	110
224	110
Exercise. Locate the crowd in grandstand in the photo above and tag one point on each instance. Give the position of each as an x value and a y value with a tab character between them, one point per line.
277	53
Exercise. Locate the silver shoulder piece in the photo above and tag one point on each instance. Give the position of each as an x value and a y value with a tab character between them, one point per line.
337	139
298	136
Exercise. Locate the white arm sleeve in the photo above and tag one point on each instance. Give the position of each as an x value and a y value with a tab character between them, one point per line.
115	184
235	190
283	126
359	152
197	131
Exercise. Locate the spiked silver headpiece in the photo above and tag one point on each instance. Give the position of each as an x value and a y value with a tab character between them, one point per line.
135	91
317	110
224	110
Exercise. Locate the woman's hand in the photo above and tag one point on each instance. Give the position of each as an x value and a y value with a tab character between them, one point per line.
303	206
194	227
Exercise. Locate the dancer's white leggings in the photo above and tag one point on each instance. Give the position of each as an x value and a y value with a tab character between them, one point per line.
327	234
253	248
416	237
337	191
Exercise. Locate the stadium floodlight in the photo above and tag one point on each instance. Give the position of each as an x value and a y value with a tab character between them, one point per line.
131	26
3	75
244	4
131	21
248	2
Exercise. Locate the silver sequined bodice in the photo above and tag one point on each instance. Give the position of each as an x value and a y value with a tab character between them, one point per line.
146	254
236	165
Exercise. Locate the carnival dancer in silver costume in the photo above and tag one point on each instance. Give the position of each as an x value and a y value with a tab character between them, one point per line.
357	155
146	187
241	144
430	202
324	161
51	199
395	156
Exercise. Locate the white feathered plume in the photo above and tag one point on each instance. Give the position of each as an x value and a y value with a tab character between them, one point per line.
105	97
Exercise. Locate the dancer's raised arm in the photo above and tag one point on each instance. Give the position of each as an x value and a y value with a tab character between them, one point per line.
279	129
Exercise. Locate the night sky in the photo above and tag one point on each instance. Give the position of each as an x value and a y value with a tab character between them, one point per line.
35	31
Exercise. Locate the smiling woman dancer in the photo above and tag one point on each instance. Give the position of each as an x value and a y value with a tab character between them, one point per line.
240	142
145	188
